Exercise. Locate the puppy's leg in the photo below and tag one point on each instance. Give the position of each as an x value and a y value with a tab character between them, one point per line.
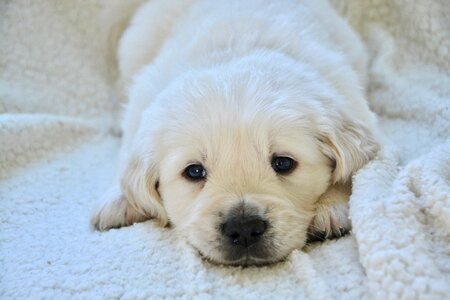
115	211
331	219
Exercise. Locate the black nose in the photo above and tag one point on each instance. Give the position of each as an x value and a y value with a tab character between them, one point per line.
244	230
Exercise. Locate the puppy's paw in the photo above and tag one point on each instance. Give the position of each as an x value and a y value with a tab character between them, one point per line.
329	222
331	218
115	212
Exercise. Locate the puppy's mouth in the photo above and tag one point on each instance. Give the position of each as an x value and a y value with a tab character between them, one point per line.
251	261
244	261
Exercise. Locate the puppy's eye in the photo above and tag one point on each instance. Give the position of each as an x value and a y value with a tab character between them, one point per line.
195	172
283	165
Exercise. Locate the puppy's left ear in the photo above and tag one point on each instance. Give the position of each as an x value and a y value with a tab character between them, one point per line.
349	145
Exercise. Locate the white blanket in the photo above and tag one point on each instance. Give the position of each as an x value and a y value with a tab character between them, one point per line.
57	155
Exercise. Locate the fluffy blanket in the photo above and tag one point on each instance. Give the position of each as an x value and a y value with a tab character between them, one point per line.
57	155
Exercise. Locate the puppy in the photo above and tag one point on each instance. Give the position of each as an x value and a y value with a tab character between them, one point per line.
244	125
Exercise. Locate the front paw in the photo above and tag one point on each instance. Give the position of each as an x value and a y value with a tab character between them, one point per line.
330	221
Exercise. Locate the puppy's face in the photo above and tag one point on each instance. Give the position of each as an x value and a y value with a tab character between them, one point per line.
236	163
243	192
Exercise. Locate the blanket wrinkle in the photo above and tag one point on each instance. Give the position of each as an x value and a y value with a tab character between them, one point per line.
32	137
58	155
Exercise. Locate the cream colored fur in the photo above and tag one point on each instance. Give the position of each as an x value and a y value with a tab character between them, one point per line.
229	84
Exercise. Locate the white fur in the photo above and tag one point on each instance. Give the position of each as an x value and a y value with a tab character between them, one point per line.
229	84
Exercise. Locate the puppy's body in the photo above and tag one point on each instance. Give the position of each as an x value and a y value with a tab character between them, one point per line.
231	86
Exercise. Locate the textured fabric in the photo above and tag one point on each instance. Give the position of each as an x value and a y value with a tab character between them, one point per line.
58	153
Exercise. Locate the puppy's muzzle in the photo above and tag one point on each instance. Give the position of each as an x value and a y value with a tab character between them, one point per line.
245	237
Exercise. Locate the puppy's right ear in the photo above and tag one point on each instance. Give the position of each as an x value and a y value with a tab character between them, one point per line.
136	199
139	184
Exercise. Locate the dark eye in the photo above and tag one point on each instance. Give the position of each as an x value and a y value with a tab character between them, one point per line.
195	172
283	164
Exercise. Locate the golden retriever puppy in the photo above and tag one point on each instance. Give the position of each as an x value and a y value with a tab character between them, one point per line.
244	124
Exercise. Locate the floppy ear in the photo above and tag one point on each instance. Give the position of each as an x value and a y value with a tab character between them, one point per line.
135	199
349	145
139	184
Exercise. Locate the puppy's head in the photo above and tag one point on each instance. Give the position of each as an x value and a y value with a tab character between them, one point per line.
236	158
